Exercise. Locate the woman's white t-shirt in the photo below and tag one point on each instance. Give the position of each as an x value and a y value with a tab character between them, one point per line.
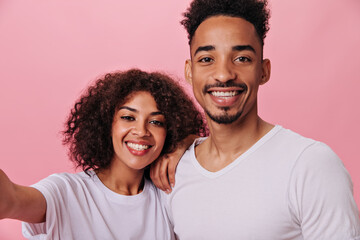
80	206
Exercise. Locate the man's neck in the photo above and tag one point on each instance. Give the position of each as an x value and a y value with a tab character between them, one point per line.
228	141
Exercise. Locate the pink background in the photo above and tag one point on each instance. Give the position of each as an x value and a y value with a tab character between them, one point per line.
51	50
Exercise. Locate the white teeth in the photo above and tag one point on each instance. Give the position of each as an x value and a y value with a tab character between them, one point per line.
137	147
224	94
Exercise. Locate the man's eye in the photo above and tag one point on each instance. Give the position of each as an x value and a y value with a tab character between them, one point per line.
243	59
205	59
157	123
127	118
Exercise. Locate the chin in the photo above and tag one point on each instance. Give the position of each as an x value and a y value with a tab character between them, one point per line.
137	165
224	118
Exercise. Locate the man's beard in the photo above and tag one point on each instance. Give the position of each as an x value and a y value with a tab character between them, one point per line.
224	118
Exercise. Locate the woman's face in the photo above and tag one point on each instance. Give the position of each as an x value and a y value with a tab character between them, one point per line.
138	131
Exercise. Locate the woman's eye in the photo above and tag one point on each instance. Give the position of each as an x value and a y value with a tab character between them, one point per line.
243	59
157	123
127	118
205	60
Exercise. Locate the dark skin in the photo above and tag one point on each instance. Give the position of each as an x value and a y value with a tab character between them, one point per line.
226	59
162	170
125	175
22	203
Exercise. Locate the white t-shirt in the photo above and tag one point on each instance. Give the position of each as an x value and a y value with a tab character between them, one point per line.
82	207
284	187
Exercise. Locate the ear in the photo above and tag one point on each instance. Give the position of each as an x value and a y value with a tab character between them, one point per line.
266	70
188	71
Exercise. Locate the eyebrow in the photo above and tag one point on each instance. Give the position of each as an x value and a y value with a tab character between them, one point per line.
136	111
235	48
243	47
204	48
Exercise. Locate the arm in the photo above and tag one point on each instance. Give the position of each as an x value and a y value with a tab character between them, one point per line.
162	171
20	202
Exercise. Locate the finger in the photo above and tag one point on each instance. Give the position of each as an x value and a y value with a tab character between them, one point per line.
173	162
155	174
164	174
174	159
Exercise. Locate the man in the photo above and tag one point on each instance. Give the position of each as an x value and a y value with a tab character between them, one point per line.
250	179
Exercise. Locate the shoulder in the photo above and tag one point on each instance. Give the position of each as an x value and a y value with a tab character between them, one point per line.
318	169
150	190
304	149
315	164
68	177
188	160
321	196
189	154
62	182
319	157
291	138
149	186
310	156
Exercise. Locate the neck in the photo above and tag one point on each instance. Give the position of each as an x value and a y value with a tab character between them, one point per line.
237	137
228	141
121	179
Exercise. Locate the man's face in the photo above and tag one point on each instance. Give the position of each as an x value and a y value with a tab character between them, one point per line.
226	68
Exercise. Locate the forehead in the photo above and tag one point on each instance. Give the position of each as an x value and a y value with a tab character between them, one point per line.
225	31
142	99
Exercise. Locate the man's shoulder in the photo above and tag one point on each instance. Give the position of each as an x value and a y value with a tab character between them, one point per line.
309	153
293	138
289	139
190	152
290	135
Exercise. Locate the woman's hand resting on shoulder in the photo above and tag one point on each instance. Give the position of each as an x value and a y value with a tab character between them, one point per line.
162	170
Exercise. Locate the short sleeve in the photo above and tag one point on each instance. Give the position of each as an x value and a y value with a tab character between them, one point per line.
53	188
321	197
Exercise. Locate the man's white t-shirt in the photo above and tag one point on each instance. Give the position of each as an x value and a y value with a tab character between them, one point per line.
285	187
81	207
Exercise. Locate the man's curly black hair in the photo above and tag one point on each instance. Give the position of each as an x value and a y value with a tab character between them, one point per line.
253	11
88	127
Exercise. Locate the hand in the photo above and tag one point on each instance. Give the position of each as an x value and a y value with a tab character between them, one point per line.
162	170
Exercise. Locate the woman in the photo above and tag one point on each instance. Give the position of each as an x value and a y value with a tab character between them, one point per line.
114	132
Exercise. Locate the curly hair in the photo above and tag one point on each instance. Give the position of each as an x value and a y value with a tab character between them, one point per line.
88	127
253	11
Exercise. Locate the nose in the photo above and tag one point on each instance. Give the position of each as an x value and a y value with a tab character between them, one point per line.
224	71
140	129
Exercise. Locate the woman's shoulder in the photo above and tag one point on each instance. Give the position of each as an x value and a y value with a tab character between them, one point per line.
65	181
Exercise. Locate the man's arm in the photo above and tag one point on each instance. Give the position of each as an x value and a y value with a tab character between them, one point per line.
20	202
162	170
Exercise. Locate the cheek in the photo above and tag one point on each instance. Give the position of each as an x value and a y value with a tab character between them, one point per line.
197	87
118	132
258	71
160	137
116	141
